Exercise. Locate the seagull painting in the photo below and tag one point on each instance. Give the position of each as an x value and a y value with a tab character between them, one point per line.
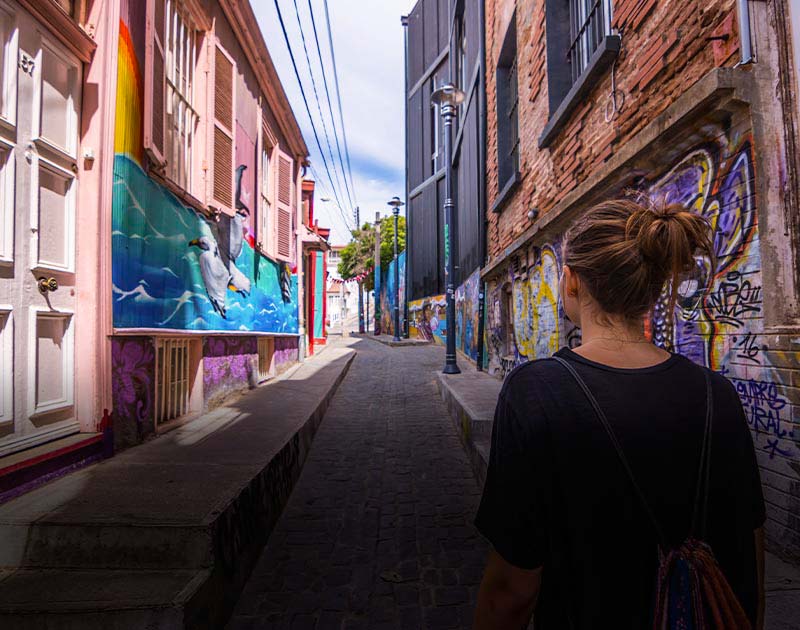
216	275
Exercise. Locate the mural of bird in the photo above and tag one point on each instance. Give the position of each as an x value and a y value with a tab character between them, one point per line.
286	283
239	282
216	275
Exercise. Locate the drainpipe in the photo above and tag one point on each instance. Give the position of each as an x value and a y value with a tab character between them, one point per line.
482	179
744	33
407	271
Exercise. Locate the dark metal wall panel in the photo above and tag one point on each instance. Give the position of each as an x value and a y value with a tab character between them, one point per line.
425	268
416	56
416	164
427	130
444	23
471	19
431	34
439	197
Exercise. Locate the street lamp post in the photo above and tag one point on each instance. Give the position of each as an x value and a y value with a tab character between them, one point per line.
448	97
395	203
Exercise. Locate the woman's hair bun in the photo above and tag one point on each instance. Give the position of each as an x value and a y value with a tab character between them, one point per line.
627	250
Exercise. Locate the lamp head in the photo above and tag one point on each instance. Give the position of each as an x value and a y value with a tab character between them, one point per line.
395	203
448	94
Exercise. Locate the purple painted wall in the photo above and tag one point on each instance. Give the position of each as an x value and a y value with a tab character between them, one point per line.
286	353
230	365
133	394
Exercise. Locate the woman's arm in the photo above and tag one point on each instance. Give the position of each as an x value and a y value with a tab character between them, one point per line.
759	536
507	595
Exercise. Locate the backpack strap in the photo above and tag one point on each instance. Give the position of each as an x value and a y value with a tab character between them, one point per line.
700	508
705	459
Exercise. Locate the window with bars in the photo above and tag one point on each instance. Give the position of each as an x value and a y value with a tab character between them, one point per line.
590	22
507	111
173	378
182	118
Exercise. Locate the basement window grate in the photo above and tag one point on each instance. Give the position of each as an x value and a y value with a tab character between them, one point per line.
173	385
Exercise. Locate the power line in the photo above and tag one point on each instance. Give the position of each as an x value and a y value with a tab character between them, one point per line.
305	100
319	107
330	106
348	229
338	96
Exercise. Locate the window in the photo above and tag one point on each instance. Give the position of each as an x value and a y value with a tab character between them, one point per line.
285	207
507	113
223	129
176	372
590	22
579	33
182	118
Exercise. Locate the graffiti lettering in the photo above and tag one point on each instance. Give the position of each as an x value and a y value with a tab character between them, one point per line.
734	299
748	349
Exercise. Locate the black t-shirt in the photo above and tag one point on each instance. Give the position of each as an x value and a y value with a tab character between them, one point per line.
557	497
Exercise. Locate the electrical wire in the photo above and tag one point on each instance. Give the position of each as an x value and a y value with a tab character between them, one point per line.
348	229
338	95
330	106
319	106
305	100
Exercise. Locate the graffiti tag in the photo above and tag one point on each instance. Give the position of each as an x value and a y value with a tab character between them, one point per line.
735	298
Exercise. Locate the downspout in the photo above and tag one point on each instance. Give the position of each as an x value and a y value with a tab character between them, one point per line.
745	42
406	327
482	180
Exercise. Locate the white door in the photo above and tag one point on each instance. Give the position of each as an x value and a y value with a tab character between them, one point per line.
39	117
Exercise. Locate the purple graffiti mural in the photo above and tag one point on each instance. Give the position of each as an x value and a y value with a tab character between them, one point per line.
133	378
230	364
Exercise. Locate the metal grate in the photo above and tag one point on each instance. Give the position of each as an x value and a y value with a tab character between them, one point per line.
590	22
172	379
513	126
266	348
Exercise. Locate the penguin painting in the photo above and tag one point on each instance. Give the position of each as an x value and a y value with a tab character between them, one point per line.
216	275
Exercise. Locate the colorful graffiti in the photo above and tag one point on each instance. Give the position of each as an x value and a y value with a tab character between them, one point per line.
230	364
467	315
132	379
388	294
718	320
286	353
427	319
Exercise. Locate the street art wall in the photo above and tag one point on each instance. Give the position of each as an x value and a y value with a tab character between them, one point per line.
718	321
172	267
230	364
388	294
133	391
428	319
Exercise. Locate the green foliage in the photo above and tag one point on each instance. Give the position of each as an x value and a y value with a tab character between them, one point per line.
359	254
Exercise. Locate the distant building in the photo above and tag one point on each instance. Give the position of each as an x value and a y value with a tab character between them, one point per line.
315	254
342	295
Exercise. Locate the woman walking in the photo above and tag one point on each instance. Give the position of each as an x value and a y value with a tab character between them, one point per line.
617	468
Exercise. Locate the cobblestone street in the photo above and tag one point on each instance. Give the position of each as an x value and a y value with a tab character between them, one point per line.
378	531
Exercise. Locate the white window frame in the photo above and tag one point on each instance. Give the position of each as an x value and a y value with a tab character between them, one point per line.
267	178
68	353
7	363
182	35
69	152
70	205
7	201
8	74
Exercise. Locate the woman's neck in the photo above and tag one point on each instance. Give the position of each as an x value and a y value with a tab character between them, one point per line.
618	344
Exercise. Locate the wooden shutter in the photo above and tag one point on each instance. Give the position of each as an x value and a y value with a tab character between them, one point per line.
284	206
155	81
223	130
265	211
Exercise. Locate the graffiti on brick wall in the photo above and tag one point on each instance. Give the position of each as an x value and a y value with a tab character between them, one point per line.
428	319
229	364
467	315
719	320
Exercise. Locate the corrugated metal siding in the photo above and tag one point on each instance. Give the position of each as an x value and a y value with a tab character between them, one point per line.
416	62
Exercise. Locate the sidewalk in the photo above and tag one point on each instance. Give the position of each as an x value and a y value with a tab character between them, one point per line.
471	398
164	534
378	532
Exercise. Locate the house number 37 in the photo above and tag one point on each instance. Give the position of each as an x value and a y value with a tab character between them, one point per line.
26	63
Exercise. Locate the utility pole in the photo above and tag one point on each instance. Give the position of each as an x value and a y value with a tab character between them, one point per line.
377	293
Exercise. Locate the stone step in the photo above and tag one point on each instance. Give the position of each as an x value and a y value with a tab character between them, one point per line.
80	599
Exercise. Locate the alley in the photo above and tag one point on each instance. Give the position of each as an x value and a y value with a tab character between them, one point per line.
378	530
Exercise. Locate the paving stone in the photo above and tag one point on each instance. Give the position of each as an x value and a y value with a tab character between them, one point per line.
378	531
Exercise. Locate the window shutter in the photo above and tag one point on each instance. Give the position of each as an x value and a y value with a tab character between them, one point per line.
223	130
265	192
284	213
154	84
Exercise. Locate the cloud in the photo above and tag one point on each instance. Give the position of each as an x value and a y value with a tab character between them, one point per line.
369	59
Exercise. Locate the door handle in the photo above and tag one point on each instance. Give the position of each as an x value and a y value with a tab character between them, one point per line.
47	284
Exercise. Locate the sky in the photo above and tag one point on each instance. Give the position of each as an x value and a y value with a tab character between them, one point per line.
368	44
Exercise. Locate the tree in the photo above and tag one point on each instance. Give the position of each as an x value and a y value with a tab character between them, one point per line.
358	256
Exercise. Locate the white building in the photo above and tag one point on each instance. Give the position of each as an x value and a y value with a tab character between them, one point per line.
342	296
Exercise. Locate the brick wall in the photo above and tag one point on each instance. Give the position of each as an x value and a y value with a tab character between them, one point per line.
709	156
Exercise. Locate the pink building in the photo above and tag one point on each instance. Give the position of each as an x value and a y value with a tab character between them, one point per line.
150	178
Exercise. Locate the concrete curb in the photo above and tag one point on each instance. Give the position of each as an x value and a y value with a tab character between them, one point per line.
387	341
196	578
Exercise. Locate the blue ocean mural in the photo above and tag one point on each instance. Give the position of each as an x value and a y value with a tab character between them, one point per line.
173	269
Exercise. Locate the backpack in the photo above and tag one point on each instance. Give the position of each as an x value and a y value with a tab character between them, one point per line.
691	591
